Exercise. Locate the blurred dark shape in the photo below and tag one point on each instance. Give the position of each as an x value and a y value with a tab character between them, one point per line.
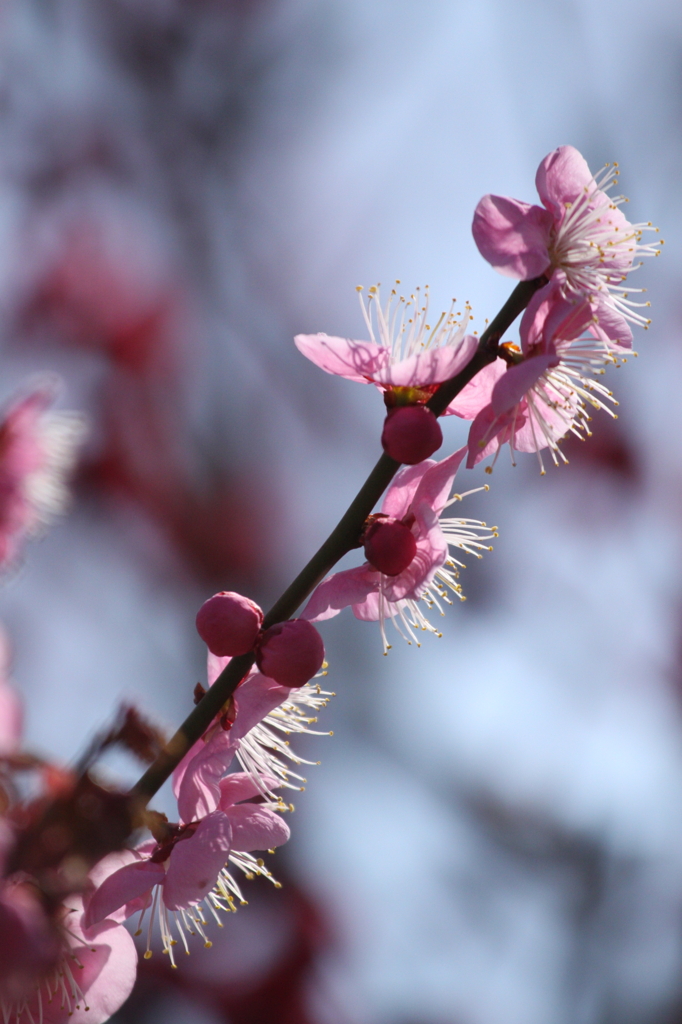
609	448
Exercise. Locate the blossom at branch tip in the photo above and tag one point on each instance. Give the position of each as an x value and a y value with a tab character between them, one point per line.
37	451
538	395
579	230
417	497
405	350
92	977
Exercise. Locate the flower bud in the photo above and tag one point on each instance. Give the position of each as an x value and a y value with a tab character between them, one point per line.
411	434
290	652
229	624
390	545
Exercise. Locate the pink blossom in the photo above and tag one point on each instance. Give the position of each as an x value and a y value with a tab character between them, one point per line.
263	714
191	867
545	391
37	450
94	975
578	230
405	350
29	944
196	780
417	497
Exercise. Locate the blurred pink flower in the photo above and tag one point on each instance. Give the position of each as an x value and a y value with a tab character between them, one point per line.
404	350
93	976
579	230
37	451
417	497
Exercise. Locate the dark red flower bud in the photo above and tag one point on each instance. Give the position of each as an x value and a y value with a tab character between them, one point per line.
411	434
390	546
229	624
290	652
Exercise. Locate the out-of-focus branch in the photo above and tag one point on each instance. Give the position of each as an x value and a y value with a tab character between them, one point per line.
341	540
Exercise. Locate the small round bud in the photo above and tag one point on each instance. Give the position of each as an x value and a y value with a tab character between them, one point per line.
390	546
290	652
229	624
411	434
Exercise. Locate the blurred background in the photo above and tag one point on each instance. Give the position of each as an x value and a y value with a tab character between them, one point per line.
494	835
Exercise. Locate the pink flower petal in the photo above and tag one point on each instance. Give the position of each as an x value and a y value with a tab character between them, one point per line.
256	828
476	394
109	966
120	889
517	381
436	483
340	590
215	665
513	236
561	177
486	434
243	786
368	610
198	792
355	360
399	496
255	698
432	366
196	862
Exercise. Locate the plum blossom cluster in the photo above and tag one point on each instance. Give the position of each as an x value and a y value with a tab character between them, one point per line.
580	247
70	874
183	876
64	951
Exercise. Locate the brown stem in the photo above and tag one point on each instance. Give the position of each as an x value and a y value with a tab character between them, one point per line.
342	539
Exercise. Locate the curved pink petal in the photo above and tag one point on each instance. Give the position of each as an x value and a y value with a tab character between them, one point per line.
431	366
196	862
402	490
108	960
198	793
243	786
355	360
513	236
517	381
368	610
476	394
610	327
486	434
29	944
339	591
124	886
255	698
434	486
256	828
215	665
561	177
